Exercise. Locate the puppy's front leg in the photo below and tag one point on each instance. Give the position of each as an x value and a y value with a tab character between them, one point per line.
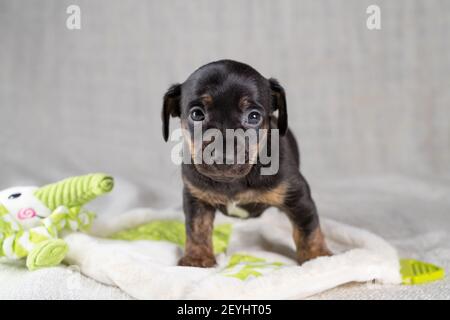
308	238
199	220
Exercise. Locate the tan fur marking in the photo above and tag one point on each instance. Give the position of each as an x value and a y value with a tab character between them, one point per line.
209	197
273	197
199	247
244	102
310	247
202	226
207	100
188	138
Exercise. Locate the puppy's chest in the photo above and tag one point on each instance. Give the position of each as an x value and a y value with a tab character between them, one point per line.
233	209
243	211
244	204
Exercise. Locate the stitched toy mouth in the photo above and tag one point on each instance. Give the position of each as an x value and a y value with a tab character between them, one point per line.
28	213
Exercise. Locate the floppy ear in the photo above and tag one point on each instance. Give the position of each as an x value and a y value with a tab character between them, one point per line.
171	107
279	103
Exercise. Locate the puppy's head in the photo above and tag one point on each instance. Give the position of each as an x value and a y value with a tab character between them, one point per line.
219	96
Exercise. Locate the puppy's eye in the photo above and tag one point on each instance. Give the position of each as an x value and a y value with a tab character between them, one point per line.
254	118
14	196
197	114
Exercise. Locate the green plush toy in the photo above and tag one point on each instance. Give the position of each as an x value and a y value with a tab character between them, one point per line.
31	218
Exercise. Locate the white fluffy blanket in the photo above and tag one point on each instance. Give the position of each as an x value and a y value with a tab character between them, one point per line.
147	269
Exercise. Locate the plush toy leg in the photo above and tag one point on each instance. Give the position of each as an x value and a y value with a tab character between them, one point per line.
47	254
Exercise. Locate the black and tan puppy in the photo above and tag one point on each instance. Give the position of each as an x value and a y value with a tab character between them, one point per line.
232	95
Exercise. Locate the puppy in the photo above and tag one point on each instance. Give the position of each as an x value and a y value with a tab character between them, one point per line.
230	95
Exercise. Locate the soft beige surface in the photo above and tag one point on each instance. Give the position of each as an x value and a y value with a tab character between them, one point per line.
370	108
417	224
148	270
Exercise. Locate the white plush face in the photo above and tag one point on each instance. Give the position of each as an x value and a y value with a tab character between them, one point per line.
23	206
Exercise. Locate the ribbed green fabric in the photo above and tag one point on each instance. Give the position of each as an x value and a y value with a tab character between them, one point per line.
76	191
173	231
47	253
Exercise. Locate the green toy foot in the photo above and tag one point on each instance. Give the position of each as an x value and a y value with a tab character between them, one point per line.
47	254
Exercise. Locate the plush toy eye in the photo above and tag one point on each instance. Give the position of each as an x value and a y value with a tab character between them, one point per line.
14	196
197	114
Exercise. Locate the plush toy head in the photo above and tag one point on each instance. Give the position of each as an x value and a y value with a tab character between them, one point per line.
23	207
27	206
31	215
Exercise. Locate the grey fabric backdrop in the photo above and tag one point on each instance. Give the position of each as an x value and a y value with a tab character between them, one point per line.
371	109
362	103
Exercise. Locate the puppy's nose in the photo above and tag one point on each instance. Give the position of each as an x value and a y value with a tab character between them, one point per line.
226	153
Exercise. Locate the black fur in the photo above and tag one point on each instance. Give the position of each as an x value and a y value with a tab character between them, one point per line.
226	82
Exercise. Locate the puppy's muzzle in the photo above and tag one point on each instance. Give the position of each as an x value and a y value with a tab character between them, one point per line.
224	165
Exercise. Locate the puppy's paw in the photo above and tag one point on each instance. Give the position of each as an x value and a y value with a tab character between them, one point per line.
304	256
201	262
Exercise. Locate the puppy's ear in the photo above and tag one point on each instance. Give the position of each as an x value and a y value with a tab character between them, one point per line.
171	107
279	103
